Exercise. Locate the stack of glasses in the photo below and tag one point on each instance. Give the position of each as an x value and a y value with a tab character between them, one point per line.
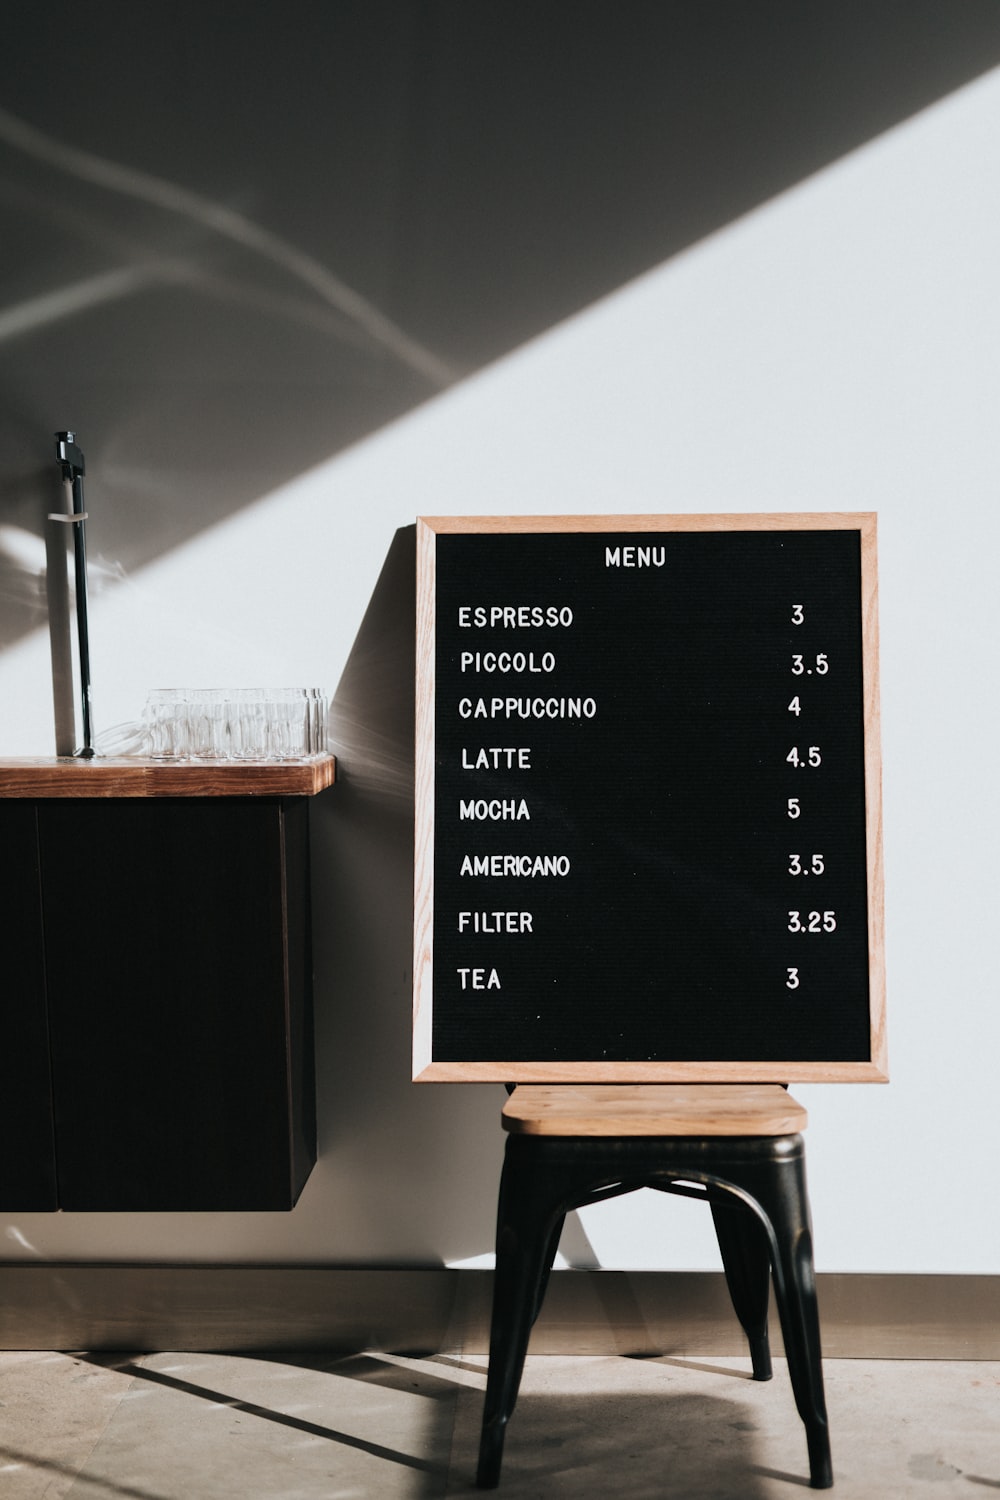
235	723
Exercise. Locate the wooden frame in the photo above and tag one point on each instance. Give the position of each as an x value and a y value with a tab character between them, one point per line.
425	1066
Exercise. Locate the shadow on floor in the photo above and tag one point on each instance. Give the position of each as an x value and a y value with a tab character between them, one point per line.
590	1445
648	1436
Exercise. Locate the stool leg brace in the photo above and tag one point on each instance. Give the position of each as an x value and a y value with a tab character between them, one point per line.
757	1189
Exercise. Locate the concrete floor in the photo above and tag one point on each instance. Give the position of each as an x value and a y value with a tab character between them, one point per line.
383	1427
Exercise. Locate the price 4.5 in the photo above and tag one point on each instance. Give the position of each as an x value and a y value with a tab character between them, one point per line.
811	757
812	921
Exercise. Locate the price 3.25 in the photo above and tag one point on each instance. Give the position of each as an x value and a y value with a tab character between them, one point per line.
812	921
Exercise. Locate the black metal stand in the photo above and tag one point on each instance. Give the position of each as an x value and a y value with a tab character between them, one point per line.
756	1187
69	456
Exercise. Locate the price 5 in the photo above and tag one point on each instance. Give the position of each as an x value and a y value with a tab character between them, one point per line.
820	666
812	921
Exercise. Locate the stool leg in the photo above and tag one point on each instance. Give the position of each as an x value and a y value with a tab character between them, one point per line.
781	1192
746	1259
549	1261
528	1218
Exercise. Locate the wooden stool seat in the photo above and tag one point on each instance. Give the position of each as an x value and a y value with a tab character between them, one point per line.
737	1146
653	1109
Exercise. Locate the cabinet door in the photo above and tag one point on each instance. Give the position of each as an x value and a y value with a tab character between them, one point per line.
27	1160
178	984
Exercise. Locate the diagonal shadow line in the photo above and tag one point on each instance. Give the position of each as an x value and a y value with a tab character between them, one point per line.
697	1364
314	1429
138	262
234	226
368	1369
151	270
781	1474
59	303
32	1461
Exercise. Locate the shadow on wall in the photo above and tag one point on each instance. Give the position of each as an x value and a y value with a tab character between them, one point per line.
415	1166
243	240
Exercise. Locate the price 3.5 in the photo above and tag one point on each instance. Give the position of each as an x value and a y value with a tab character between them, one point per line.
821	665
815	866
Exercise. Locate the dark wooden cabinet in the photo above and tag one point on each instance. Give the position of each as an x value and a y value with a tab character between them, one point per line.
156	1017
27	1143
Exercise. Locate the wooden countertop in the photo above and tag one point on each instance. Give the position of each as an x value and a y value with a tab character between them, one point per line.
135	776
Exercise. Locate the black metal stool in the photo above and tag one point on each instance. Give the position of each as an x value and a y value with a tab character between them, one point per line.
738	1146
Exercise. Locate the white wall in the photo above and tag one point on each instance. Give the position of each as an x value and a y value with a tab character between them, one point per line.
839	348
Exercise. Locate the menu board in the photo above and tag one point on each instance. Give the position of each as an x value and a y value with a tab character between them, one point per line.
648	799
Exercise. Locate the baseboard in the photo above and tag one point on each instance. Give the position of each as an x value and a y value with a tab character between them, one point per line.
149	1307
